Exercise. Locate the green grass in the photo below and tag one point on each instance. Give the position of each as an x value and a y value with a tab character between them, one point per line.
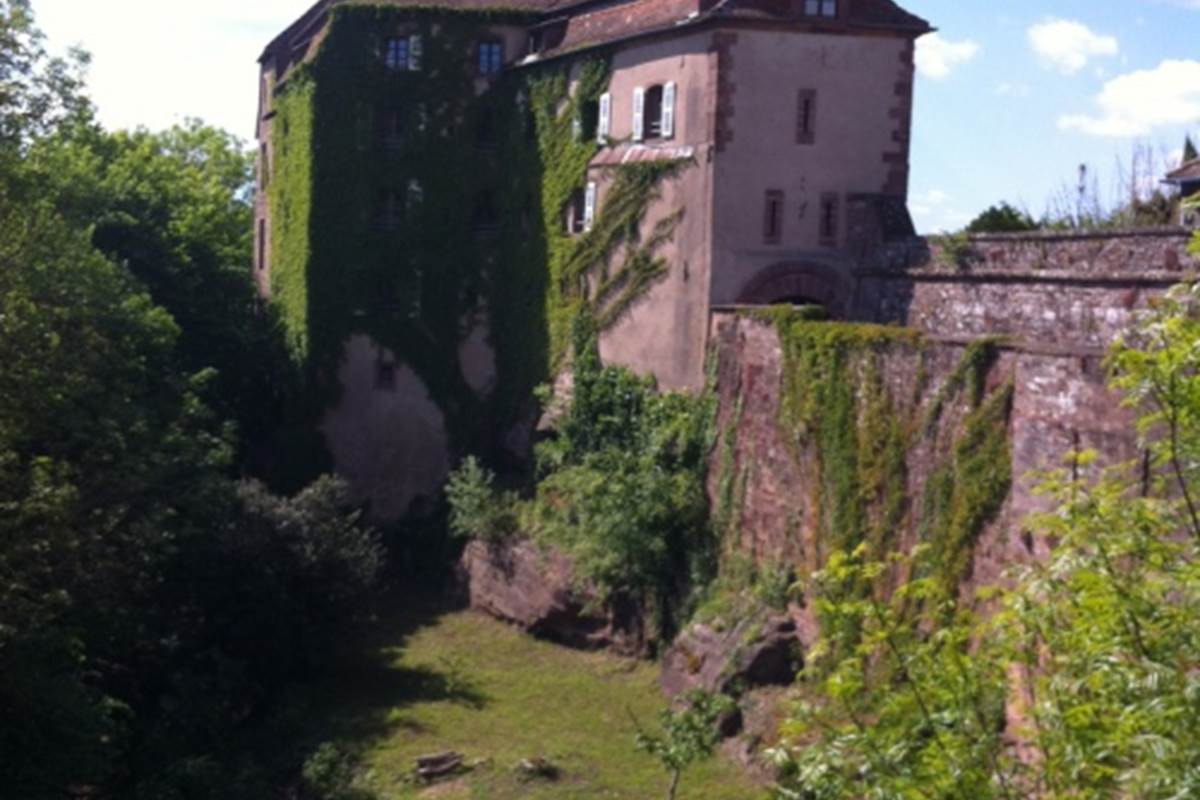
462	681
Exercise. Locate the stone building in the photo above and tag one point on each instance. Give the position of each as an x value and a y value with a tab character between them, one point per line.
731	152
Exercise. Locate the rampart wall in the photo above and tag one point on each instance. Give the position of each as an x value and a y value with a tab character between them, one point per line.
1060	300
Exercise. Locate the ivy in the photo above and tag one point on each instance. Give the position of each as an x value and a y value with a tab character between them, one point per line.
479	182
835	405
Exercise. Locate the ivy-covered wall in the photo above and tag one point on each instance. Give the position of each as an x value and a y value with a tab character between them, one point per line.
408	205
840	436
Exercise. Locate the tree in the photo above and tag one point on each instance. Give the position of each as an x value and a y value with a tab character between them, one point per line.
1189	150
1002	218
688	735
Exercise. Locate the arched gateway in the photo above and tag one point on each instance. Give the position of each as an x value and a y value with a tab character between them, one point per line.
799	283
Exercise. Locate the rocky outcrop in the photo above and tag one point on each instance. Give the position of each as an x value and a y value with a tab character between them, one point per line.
533	587
761	650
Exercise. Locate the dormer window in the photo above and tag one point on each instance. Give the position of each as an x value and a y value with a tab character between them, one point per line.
820	8
490	57
654	112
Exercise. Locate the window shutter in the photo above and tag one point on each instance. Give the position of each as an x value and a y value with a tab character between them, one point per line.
589	206
416	49
668	111
604	125
639	114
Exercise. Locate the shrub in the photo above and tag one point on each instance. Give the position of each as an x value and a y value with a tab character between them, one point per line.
477	509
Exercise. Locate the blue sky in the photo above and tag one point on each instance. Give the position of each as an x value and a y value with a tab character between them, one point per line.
1011	97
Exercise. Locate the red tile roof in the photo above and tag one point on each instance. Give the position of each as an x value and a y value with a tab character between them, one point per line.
1187	173
591	23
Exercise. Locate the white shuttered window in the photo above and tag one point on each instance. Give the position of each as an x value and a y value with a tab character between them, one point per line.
604	124
416	49
668	111
639	114
589	206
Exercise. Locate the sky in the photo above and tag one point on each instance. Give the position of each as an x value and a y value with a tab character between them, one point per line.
1011	98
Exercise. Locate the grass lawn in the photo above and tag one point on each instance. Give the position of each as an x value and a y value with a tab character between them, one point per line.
462	681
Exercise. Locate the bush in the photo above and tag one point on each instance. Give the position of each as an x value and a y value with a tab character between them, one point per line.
477	509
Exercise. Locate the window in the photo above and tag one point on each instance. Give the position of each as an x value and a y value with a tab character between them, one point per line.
484	220
264	167
491	57
589	206
773	217
820	8
391	210
385	375
829	220
262	244
654	112
589	121
485	130
806	117
395	54
576	212
415	194
391	128
403	54
604	118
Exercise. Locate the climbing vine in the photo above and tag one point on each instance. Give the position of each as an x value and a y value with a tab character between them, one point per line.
413	206
836	405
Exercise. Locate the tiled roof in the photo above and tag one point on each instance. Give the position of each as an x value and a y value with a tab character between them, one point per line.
1187	173
589	23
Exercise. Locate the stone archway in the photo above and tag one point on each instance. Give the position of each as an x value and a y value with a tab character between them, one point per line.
798	282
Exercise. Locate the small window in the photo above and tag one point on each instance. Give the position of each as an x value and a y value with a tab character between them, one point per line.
829	220
654	112
485	221
264	166
576	212
806	117
485	130
491	57
385	376
820	8
391	128
391	210
589	120
396	54
262	244
773	217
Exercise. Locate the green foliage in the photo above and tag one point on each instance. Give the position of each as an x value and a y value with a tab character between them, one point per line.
833	400
466	163
1002	218
1092	651
688	735
329	775
957	250
174	209
477	509
904	712
623	485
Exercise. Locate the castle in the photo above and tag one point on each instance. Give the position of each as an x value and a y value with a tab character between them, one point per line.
442	188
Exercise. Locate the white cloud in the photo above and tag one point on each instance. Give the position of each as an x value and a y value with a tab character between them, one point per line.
1136	103
155	63
937	56
1007	89
1068	45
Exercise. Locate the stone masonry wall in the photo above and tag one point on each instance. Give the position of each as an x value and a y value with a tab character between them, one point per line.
1072	292
1060	402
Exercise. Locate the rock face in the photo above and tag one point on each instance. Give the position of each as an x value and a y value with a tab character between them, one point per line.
534	588
762	650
